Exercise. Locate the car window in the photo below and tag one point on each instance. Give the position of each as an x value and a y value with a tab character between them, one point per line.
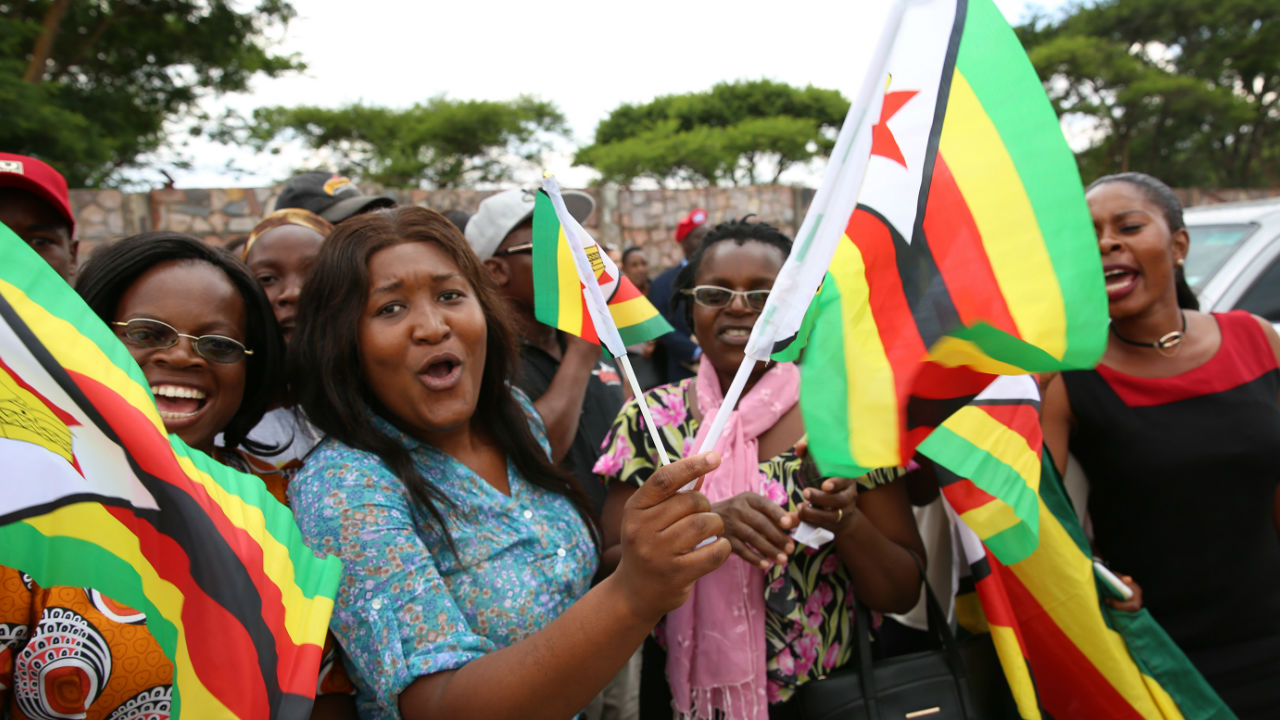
1263	298
1211	245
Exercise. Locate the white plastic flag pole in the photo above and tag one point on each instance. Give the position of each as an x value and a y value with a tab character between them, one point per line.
644	408
598	306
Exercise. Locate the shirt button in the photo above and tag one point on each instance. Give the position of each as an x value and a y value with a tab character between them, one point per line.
377	603
528	514
560	552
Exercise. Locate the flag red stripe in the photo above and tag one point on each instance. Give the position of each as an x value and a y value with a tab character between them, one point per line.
956	243
1022	419
134	429
625	291
965	496
896	325
213	634
1066	679
995	604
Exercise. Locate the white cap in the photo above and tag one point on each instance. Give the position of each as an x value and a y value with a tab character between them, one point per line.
499	214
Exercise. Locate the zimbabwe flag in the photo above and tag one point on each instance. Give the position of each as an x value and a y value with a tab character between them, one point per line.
95	494
560	295
970	251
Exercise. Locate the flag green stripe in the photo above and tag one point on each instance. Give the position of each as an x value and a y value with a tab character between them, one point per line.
991	475
1009	349
824	391
993	61
90	565
645	331
313	576
546	243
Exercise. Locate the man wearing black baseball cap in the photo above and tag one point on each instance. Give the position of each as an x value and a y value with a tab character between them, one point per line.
329	195
35	205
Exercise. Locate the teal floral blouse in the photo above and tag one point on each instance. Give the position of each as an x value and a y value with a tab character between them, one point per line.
407	606
809	614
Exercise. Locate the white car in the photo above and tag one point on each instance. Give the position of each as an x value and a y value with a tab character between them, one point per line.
1234	261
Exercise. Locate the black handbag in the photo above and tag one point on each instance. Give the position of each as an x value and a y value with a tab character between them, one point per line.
928	685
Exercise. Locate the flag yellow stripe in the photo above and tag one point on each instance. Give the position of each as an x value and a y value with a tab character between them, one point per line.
955	352
993	190
91	523
991	518
569	288
1015	671
1052	575
305	618
77	353
998	440
872	409
632	312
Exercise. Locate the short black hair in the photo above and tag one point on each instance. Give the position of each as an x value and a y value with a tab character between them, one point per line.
628	251
1162	196
112	270
739	231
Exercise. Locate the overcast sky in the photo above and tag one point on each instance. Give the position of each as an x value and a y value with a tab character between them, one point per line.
586	56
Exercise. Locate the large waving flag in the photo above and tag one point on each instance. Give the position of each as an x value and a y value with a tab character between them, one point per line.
97	495
560	295
1065	653
969	242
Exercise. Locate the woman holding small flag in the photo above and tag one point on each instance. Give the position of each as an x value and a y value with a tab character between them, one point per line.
777	614
1177	430
468	555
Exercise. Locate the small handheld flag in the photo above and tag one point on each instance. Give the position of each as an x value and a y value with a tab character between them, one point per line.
570	279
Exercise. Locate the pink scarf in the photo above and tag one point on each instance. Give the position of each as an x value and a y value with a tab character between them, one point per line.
715	641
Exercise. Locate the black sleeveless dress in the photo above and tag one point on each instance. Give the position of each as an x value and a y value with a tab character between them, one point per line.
1182	475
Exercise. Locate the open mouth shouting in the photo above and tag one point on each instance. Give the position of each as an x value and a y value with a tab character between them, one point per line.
441	372
1120	280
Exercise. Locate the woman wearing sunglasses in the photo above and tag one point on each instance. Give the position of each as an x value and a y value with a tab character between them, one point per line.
775	615
204	335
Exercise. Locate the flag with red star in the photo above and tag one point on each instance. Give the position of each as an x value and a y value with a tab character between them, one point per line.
968	241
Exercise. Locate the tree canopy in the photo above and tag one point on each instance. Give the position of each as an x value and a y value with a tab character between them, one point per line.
735	133
1187	90
440	143
90	85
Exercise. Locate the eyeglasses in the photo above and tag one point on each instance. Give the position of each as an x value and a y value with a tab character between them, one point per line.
714	296
515	250
155	335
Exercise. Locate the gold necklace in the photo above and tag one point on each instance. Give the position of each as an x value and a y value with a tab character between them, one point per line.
1168	344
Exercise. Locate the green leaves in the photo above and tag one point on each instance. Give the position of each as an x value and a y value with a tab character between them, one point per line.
441	143
119	70
735	133
1186	90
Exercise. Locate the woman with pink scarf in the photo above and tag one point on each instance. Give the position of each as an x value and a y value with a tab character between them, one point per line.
776	615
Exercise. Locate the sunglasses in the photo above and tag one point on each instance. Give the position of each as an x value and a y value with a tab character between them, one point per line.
515	250
155	335
714	296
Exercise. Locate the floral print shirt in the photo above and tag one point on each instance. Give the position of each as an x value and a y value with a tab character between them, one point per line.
407	606
809	614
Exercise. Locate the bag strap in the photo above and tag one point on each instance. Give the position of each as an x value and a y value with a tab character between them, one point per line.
938	627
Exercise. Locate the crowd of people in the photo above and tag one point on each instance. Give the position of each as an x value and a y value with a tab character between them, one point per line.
512	544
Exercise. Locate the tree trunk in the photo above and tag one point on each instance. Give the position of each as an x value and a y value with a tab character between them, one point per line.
44	44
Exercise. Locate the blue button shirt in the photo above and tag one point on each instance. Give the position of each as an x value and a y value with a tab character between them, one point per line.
407	606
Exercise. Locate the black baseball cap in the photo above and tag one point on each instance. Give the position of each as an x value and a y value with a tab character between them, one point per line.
329	195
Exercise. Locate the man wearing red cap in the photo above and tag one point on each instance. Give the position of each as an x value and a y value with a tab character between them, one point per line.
35	205
677	354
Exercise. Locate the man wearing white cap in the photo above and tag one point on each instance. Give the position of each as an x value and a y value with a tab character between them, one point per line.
576	391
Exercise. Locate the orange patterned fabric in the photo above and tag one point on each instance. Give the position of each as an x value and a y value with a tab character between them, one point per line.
70	652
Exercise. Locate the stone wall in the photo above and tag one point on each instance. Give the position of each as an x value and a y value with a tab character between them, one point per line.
623	217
